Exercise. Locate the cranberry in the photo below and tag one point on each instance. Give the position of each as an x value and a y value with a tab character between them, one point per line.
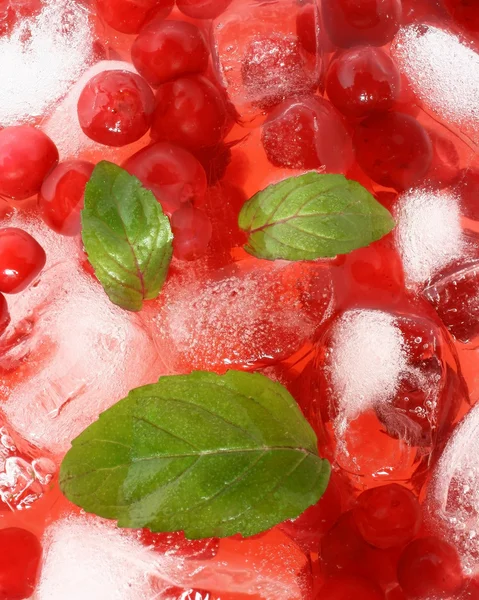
307	134
61	196
274	68
165	50
173	174
27	155
20	553
191	233
356	22
128	16
362	81
445	160
455	296
307	529
203	9
190	112
176	544
429	568
467	186
4	314
465	13
393	149
349	588
21	260
115	108
387	516
306	27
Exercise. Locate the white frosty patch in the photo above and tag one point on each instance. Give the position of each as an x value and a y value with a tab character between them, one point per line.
443	72
428	234
453	496
367	359
42	57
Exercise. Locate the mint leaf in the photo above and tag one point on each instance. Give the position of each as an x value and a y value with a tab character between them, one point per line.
207	454
127	237
312	216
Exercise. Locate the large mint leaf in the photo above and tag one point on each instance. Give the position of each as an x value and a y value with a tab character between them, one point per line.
127	237
312	216
207	454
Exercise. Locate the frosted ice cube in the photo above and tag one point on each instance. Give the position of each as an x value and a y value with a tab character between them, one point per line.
429	236
452	502
41	59
68	353
258	56
443	72
254	313
70	140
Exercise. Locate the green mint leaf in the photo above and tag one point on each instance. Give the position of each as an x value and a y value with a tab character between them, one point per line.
312	216
127	237
207	454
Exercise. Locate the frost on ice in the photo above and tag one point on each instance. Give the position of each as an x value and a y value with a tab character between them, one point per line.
443	72
41	58
429	236
68	353
452	502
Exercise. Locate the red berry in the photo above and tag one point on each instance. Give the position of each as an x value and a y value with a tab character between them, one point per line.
20	553
467	186
21	260
176	544
455	295
393	149
27	155
128	16
306	27
362	81
274	68
4	314
465	13
203	9
192	232
173	174
115	108
190	112
165	50
349	588
387	516
61	196
429	568
357	22
445	160
307	134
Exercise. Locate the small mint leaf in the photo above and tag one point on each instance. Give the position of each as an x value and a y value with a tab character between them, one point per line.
206	454
127	237
312	216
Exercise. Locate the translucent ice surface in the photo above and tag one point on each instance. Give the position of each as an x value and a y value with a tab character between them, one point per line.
444	74
428	234
41	58
453	496
68	353
70	140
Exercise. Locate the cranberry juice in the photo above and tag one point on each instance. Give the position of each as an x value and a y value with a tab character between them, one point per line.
208	102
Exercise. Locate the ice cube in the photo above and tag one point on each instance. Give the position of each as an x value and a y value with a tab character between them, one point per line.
452	502
41	58
71	141
248	315
384	388
89	558
444	74
428	234
260	56
68	353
